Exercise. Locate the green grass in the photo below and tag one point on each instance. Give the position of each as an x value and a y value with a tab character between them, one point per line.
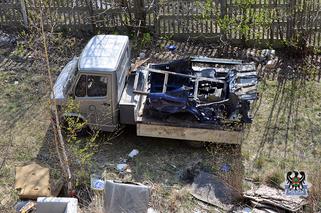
286	129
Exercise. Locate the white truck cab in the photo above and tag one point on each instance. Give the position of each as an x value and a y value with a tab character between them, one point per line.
96	80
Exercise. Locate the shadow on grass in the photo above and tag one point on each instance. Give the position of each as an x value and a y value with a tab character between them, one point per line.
281	125
160	162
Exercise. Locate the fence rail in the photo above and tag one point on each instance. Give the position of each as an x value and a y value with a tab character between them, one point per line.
265	20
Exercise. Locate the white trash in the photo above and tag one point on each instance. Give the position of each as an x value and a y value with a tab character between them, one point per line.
133	153
121	167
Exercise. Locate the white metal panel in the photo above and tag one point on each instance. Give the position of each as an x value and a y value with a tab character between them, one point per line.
103	53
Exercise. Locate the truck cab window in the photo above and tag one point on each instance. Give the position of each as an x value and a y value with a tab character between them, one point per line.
96	86
92	86
81	86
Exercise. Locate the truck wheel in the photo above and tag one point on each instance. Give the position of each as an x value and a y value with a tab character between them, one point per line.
75	125
196	144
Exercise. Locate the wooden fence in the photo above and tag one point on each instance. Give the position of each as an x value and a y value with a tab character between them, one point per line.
263	20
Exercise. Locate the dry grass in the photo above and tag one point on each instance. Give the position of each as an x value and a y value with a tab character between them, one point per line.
285	132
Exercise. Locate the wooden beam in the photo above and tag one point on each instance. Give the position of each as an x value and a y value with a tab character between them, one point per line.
193	134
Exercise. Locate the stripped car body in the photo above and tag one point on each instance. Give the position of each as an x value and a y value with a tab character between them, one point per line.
210	94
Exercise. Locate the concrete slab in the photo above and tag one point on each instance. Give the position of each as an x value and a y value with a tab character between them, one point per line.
57	205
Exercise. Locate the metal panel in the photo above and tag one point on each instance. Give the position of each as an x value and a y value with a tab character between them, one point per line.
103	53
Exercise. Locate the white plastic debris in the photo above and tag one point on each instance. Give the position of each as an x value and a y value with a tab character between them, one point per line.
151	210
121	167
268	54
16	82
142	55
271	64
133	153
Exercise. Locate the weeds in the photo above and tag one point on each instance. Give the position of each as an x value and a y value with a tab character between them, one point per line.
274	177
82	149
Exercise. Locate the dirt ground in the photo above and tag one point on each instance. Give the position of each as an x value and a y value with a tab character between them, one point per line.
285	133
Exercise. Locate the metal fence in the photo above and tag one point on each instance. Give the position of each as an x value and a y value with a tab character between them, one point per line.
279	20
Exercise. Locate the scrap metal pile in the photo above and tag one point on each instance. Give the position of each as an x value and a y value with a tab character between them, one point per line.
211	94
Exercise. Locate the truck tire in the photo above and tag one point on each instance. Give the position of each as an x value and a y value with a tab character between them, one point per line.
85	130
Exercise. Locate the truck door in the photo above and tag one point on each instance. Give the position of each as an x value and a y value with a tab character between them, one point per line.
93	94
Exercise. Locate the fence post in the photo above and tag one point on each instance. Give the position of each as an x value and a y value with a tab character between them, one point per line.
291	19
222	15
92	15
24	13
140	15
156	19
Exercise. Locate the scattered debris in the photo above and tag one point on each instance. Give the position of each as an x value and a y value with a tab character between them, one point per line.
133	153
142	56
247	210
268	54
96	183
151	210
212	190
126	197
271	64
7	40
191	171
34	181
267	198
57	205
121	167
171	47
25	206
225	168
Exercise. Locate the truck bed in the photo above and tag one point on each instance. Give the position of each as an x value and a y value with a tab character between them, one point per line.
133	110
185	128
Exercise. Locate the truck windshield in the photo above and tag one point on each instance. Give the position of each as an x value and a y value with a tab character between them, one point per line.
91	86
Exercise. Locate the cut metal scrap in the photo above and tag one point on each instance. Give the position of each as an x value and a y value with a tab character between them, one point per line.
210	94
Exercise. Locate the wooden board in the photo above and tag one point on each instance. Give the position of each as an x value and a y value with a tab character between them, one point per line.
34	181
193	134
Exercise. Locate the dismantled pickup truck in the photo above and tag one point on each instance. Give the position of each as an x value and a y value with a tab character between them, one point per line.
196	98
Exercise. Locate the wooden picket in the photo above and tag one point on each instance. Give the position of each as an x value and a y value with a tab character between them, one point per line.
187	19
